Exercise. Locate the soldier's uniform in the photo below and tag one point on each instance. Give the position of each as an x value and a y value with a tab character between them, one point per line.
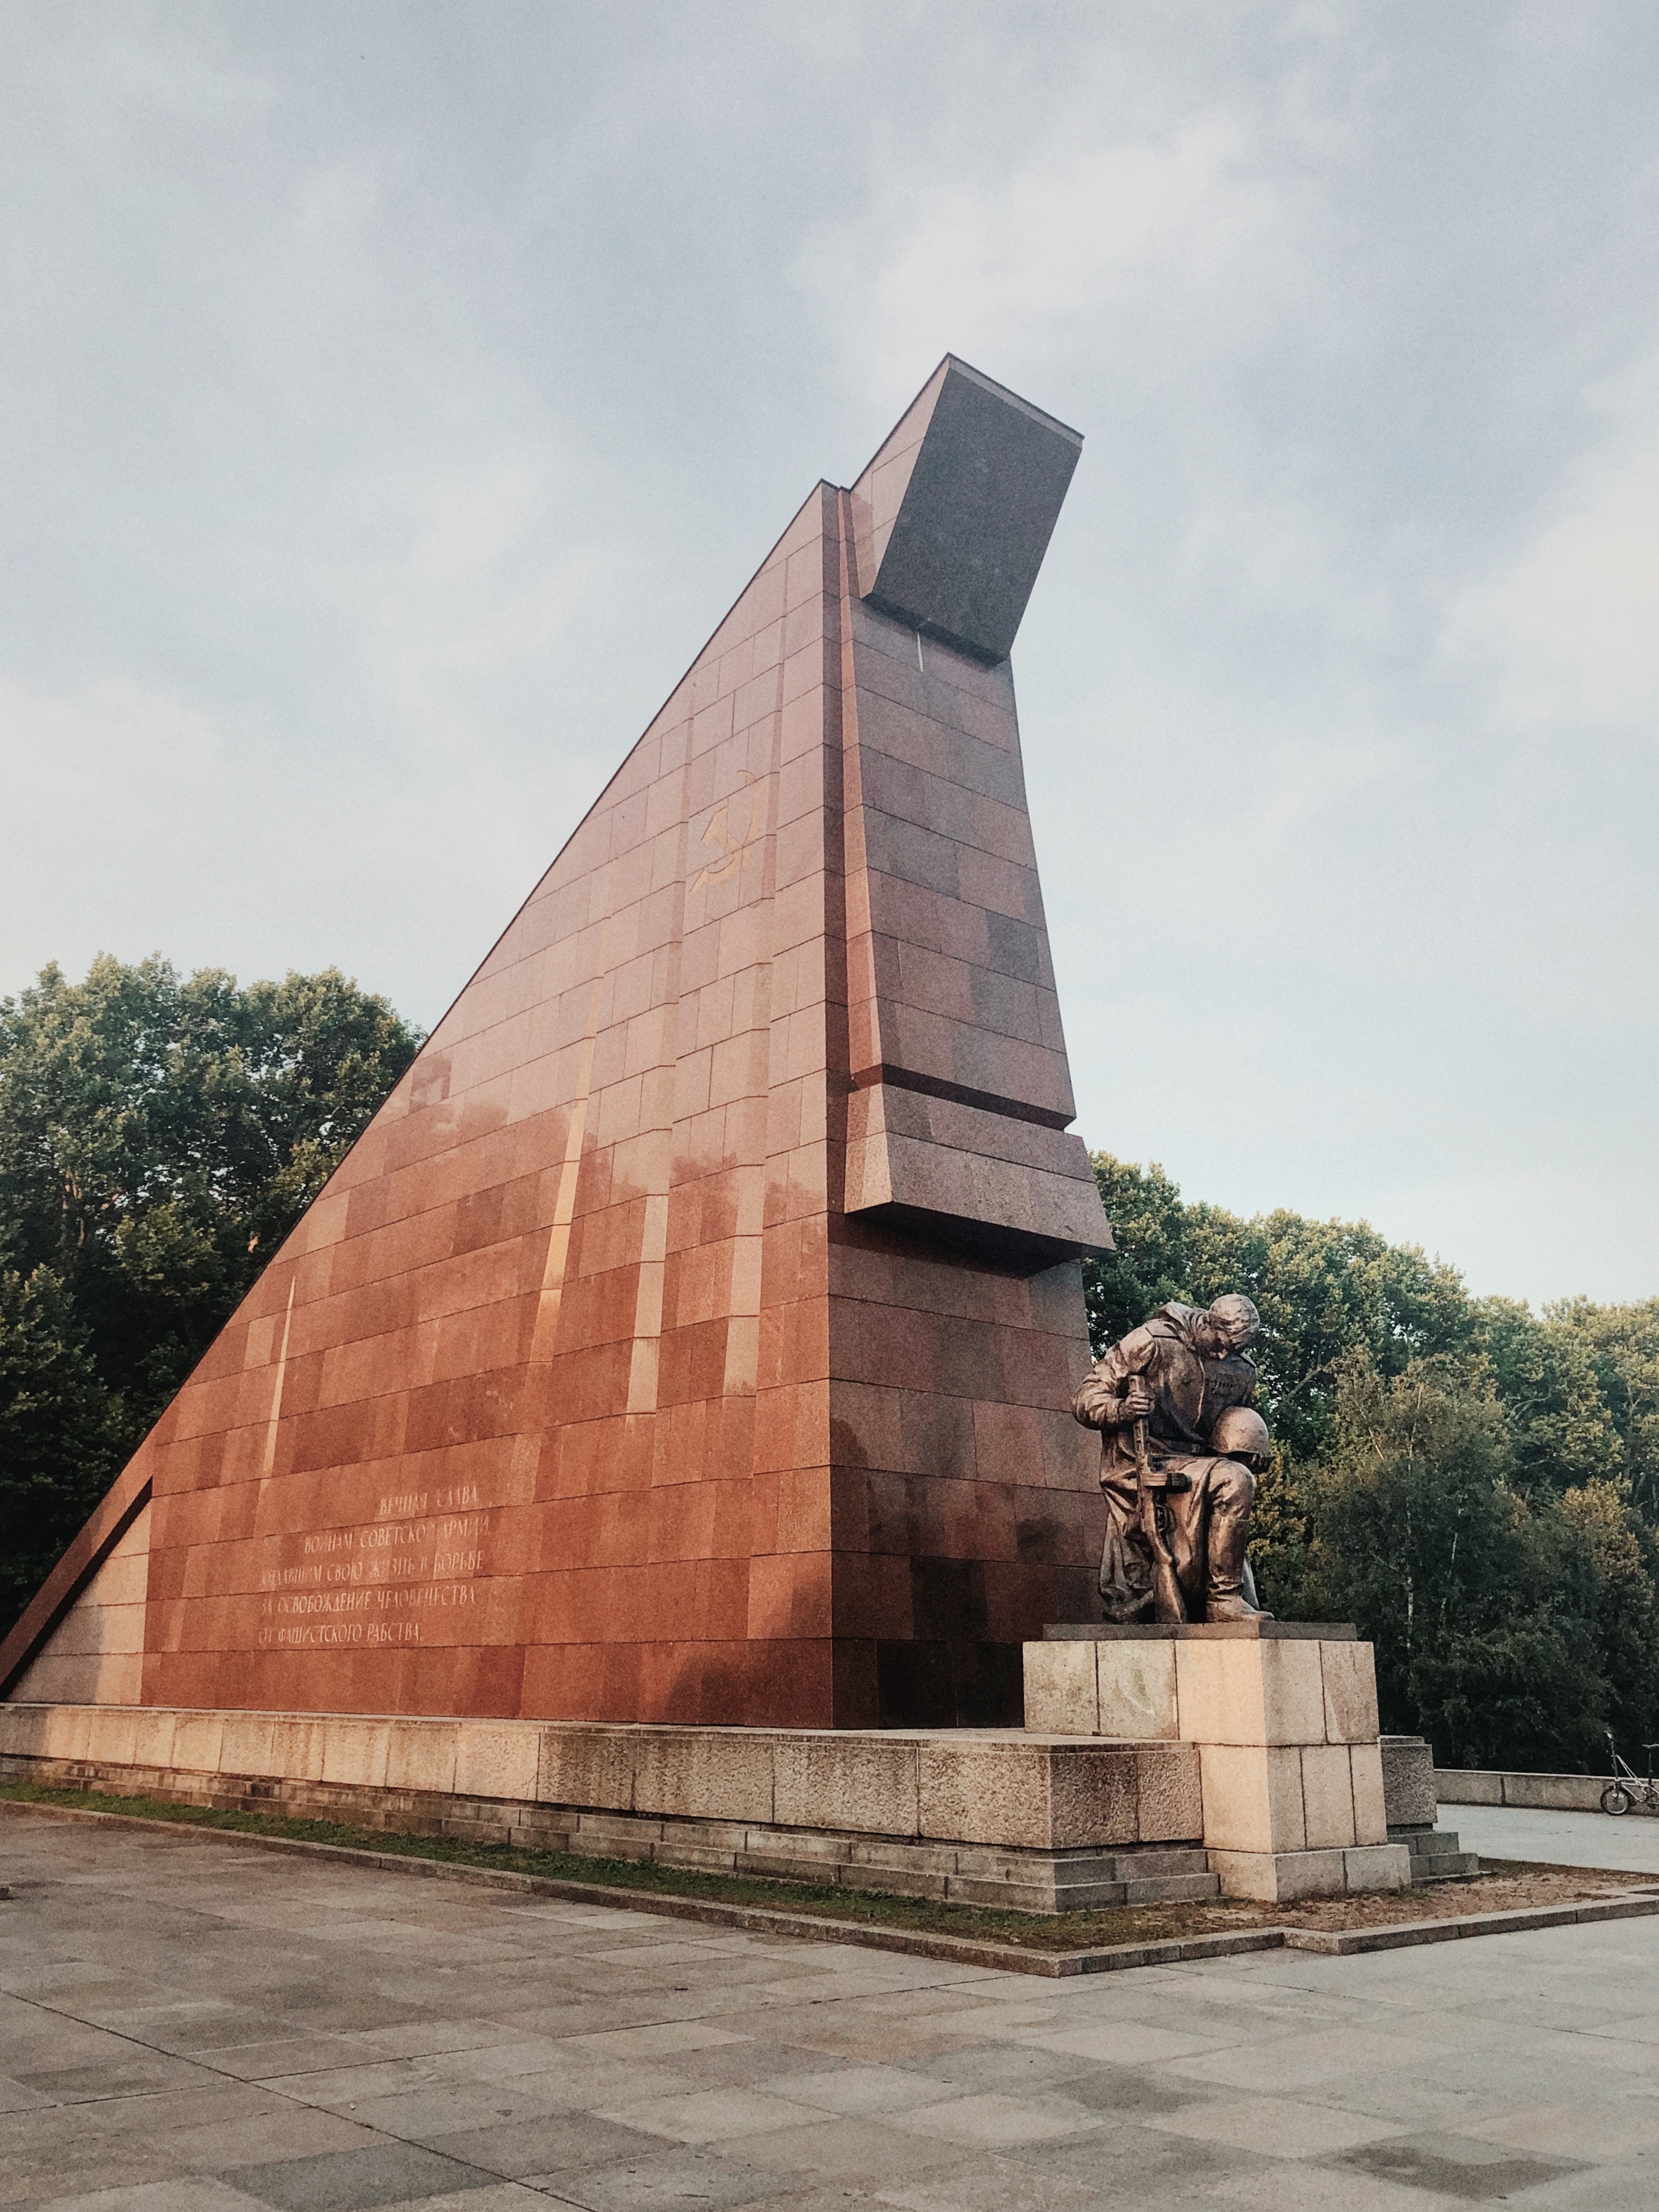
1207	1523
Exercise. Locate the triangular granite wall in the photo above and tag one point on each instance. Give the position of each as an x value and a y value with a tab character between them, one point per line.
690	1335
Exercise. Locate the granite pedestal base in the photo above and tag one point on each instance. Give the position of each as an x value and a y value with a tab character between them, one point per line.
1282	1717
1408	1795
985	1816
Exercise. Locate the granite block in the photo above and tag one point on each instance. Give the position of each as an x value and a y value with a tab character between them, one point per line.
586	1767
978	1793
866	1783
422	1754
1137	1689
1407	1765
1169	1794
1328	1799
501	1760
1378	1866
1252	1797
1060	1695
113	1734
1283	1877
1293	1691
1094	1796
1371	1816
704	1774
1350	1680
356	1752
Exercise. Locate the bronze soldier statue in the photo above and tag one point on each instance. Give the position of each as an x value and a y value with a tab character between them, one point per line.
1181	1450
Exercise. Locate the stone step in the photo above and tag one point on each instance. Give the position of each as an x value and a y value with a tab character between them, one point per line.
1454	1866
1156	1865
1033	1896
1425	1842
1445	1862
1436	1853
1082	1895
1173	1889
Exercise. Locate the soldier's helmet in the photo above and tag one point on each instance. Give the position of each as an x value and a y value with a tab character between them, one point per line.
1240	1432
1238	1314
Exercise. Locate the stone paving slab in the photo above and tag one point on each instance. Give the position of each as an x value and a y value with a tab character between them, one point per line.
184	2028
1630	1845
1637	1901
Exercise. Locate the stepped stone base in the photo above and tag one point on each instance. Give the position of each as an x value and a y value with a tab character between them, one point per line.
1286	1877
984	1817
1436	1853
1282	1717
1408	1795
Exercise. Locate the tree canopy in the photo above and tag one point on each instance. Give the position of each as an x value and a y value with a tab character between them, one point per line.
1474	1485
160	1135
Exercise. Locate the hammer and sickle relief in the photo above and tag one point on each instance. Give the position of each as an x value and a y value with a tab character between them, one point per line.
718	834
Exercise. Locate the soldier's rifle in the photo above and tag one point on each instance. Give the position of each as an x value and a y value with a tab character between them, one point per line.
1167	1602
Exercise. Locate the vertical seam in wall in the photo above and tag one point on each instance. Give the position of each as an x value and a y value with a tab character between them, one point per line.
838	1045
274	1422
644	1360
557	1265
838	1056
741	1344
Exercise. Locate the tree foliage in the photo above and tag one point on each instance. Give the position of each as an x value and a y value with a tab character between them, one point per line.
1476	1485
160	1135
1483	1611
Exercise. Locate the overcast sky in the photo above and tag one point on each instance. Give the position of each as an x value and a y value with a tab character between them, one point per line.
393	398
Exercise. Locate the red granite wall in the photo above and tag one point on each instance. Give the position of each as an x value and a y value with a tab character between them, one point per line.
580	1392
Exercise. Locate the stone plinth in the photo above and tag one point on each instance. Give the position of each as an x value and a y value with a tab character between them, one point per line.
1409	1793
1283	1715
986	1816
1408	1782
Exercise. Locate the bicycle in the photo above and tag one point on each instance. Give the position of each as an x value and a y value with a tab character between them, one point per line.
1627	1786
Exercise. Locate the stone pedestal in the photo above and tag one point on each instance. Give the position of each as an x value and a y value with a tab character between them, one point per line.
1283	1715
1409	1796
983	1816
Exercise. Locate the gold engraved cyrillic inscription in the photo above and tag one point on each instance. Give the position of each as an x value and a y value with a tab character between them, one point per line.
374	1584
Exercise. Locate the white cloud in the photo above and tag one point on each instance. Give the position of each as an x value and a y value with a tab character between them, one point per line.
1000	265
470	599
1569	630
102	749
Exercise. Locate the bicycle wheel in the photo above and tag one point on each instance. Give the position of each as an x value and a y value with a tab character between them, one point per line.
1615	1798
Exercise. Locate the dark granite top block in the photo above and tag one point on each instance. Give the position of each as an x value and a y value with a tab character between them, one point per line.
975	515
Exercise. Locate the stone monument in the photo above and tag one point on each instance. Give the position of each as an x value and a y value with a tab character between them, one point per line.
688	1337
656	1437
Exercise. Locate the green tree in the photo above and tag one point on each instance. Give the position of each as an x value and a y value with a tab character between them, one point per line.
1625	1341
1625	1559
1546	1372
1483	1608
1325	1289
59	1442
160	1135
1583	1382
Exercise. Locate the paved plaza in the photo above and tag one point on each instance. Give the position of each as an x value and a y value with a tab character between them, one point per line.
1580	1839
189	2026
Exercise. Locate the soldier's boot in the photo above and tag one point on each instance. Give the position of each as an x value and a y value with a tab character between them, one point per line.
1228	1593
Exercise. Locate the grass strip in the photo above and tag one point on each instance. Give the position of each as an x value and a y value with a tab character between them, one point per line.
1069	1931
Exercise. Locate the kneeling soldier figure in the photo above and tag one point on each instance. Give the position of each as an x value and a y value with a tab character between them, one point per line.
1184	1375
